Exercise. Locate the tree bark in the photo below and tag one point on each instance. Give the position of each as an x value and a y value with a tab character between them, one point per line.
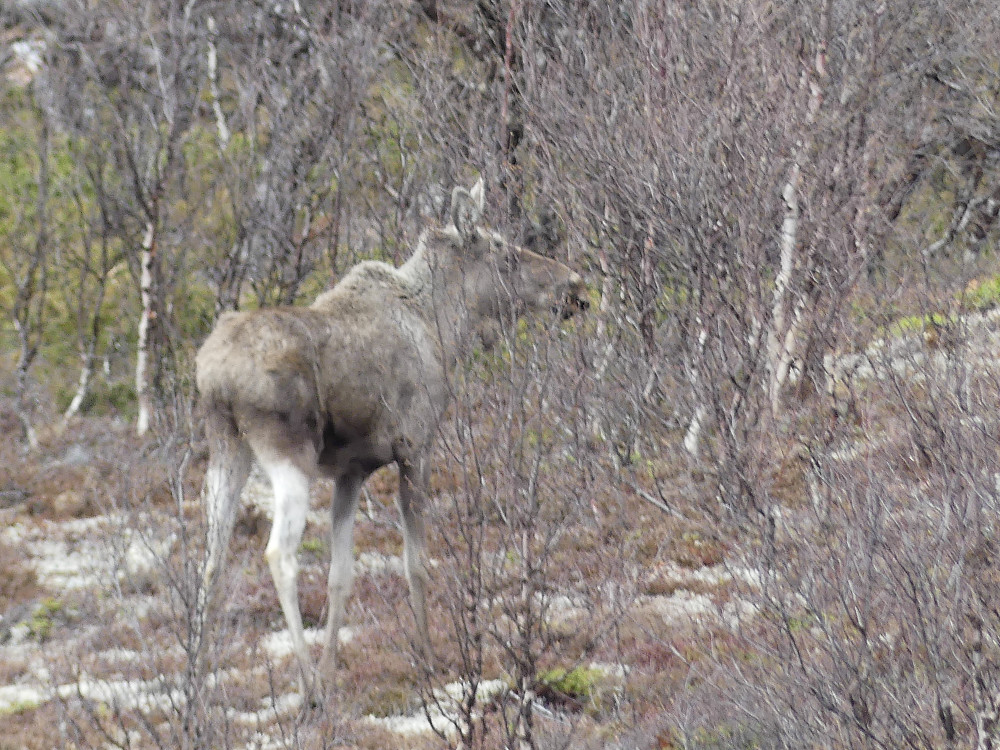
29	301
213	86
781	339
788	315
143	386
26	355
83	384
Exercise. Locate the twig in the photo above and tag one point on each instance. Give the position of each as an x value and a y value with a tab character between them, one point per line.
652	500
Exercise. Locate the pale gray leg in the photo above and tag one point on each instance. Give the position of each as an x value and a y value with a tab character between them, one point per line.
345	506
413	484
228	469
291	504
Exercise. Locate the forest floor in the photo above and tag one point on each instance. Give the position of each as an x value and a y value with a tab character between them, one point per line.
96	550
101	535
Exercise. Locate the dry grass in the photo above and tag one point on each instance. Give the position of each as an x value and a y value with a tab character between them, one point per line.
608	530
18	584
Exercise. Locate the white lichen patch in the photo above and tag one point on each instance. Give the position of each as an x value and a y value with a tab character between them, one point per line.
27	55
84	553
69	566
118	656
692	601
706	577
738	611
81	528
143	556
142	695
279	645
617	672
411	724
681	607
346	634
285	705
29	52
376	563
19	697
261	741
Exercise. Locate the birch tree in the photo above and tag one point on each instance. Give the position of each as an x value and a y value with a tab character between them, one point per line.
25	259
788	309
295	79
89	266
130	86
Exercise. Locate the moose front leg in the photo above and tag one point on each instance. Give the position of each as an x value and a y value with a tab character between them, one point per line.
413	487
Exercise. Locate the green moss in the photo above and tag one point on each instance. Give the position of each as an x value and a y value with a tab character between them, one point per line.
312	546
18	708
43	619
121	397
580	683
543	438
593	690
919	323
801	624
981	295
195	310
103	399
978	296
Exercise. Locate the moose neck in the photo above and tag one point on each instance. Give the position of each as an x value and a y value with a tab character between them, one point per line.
445	291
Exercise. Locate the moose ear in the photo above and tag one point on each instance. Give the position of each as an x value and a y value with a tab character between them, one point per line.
467	209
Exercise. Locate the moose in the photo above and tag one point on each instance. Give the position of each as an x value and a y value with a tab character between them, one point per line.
354	382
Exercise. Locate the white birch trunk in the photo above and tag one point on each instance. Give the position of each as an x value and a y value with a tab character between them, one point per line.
82	385
607	289
213	87
143	388
783	336
21	385
692	437
82	388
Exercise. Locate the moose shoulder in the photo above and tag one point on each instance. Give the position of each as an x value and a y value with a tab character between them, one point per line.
352	383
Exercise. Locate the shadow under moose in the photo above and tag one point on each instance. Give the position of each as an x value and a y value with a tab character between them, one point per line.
357	380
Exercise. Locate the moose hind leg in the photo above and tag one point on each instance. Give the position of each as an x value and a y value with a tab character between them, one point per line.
345	506
291	504
228	469
413	482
